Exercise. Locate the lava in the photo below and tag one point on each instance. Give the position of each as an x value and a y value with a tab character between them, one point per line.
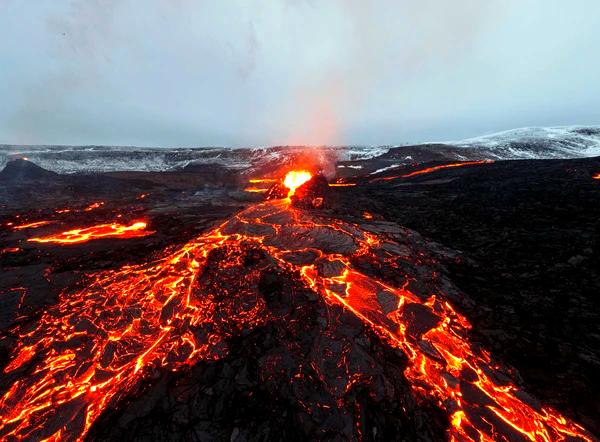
295	179
263	180
85	234
93	206
342	184
99	343
10	250
434	169
597	176
33	225
255	189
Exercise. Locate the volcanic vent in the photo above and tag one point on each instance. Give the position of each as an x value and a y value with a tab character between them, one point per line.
374	291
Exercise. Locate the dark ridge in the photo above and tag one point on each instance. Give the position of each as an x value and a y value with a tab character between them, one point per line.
23	170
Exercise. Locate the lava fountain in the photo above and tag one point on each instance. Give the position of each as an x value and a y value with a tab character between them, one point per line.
295	179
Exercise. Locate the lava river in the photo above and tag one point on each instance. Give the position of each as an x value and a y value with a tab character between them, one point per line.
98	344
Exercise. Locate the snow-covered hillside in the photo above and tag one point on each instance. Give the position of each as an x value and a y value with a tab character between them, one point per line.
556	142
539	142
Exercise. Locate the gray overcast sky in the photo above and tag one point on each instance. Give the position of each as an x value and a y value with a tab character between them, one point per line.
190	73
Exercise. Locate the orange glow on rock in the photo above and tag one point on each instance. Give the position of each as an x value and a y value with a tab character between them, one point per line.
85	234
295	179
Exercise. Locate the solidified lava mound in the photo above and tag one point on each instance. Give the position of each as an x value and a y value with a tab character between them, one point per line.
312	194
278	324
21	170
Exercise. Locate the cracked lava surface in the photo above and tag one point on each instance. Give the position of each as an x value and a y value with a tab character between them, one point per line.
99	343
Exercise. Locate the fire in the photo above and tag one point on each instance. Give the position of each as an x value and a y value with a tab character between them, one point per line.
92	348
295	179
85	234
597	176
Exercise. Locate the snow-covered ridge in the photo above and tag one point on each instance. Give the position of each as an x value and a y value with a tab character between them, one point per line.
539	142
551	142
84	159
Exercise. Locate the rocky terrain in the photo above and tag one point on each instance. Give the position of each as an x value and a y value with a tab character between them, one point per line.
514	246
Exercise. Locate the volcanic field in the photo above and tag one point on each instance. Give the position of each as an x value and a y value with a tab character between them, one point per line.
433	301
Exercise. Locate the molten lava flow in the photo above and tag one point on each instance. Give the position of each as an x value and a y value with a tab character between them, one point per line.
263	180
597	176
255	189
295	179
85	234
97	344
33	225
10	250
446	166
434	169
342	184
93	206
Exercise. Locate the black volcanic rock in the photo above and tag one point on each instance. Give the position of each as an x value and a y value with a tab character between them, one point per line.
517	223
312	194
23	170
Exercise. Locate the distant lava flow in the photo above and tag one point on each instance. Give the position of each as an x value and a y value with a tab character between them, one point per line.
434	169
96	345
342	184
89	208
597	176
85	234
255	189
33	225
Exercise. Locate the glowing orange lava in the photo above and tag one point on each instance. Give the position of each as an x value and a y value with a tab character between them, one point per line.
10	250
93	206
342	184
262	180
446	166
295	179
33	225
597	176
85	234
97	344
255	189
434	169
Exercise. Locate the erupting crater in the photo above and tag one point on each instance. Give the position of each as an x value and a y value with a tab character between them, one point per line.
295	179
